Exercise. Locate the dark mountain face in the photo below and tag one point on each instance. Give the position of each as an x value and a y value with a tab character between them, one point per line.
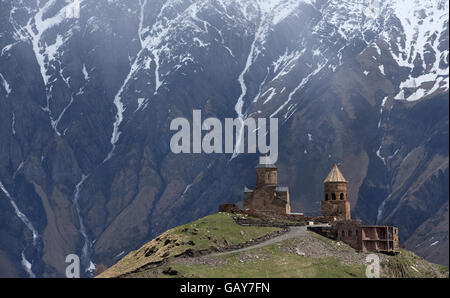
86	105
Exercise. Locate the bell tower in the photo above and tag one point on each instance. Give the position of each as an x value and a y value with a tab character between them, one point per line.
335	203
267	196
266	175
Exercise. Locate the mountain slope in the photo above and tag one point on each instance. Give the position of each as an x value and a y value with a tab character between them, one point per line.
305	255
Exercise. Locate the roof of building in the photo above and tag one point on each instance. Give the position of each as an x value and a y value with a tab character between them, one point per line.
247	189
282	189
266	162
266	166
335	175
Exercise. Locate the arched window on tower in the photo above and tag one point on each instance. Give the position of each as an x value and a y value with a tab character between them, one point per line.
326	197
333	197
342	196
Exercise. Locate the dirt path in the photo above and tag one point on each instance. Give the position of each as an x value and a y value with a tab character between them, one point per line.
293	233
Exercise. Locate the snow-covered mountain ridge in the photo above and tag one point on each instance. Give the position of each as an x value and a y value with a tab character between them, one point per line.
86	102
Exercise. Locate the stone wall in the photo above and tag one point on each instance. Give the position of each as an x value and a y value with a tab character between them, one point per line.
282	198
328	232
228	208
266	176
339	209
266	198
350	232
362	238
380	238
272	215
335	191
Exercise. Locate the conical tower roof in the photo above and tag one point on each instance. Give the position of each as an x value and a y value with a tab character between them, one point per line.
335	175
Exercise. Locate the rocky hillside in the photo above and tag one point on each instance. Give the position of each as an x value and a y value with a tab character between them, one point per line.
192	251
86	104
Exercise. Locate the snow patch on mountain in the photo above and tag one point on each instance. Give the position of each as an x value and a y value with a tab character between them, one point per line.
85	73
39	23
120	107
5	85
268	13
13	123
27	265
424	25
19	214
86	255
26	221
7	48
299	87
286	63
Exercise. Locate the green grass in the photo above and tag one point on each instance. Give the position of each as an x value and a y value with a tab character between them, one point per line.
267	262
443	270
214	231
406	264
220	229
271	261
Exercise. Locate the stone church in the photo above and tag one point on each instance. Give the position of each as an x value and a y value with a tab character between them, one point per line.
267	195
335	202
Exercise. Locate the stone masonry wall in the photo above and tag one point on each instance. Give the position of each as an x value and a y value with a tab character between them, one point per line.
338	209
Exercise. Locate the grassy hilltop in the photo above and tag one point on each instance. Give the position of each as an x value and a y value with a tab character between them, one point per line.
192	250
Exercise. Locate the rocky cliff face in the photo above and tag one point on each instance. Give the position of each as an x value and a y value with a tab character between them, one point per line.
86	104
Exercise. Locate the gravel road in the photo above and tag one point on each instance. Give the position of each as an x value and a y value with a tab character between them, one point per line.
293	233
